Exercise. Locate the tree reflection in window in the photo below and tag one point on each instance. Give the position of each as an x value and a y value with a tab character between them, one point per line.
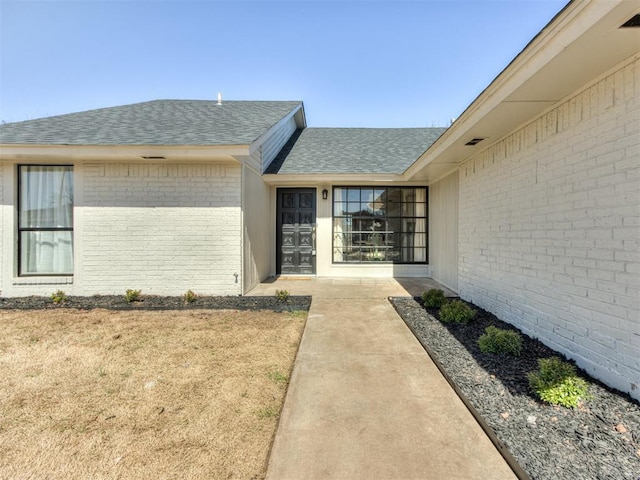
373	224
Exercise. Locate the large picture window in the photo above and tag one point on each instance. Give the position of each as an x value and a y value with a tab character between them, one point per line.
45	220
380	224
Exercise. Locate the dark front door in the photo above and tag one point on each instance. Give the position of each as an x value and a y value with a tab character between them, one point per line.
296	245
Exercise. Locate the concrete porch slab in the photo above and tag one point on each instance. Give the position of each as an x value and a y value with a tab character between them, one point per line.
345	287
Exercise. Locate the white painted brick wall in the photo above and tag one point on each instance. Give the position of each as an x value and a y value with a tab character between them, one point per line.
3	206
161	228
549	228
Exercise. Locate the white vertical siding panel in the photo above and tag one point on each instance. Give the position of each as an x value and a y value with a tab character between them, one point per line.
272	145
258	225
443	231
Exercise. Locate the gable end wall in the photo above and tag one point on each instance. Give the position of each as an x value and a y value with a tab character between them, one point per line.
272	146
549	228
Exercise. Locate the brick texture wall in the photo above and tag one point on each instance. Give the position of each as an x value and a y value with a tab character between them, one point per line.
161	228
3	207
549	228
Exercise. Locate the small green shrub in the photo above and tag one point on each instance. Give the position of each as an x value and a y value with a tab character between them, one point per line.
556	382
497	340
456	311
58	297
132	295
189	296
434	298
283	295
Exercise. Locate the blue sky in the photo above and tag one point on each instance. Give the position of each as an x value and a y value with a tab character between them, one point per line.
375	63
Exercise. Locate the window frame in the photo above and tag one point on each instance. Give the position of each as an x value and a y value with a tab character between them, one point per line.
19	229
407	224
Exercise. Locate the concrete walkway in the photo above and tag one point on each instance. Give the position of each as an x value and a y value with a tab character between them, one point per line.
365	401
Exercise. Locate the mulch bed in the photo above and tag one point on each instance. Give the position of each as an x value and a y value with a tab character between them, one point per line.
598	440
153	302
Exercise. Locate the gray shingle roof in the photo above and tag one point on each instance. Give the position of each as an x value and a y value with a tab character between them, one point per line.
159	122
353	150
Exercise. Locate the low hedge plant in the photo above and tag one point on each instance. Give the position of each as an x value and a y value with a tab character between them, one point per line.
433	298
456	311
557	383
500	341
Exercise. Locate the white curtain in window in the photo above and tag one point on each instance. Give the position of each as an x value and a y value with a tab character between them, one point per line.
338	239
46	202
420	236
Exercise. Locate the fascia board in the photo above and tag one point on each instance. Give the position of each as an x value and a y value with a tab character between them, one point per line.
335	179
569	24
123	152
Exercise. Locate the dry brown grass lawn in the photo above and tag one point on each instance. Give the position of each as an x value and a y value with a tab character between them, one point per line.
147	395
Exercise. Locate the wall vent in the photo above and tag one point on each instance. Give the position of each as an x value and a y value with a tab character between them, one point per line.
632	22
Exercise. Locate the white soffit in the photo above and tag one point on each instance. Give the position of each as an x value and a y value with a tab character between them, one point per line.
581	43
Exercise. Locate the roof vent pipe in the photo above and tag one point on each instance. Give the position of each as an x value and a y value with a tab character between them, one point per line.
219	99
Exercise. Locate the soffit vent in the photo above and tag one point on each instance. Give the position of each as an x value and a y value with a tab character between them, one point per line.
153	157
632	22
474	141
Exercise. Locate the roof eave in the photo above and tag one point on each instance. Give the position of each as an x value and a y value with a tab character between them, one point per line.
330	178
21	152
536	79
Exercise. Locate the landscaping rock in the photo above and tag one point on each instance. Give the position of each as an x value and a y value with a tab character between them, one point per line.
156	302
599	440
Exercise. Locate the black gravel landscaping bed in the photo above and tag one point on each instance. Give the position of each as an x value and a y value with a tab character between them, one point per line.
154	302
598	440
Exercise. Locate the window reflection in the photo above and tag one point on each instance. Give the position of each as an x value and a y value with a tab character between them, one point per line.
380	224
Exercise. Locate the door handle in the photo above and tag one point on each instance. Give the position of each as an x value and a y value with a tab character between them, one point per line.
313	240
